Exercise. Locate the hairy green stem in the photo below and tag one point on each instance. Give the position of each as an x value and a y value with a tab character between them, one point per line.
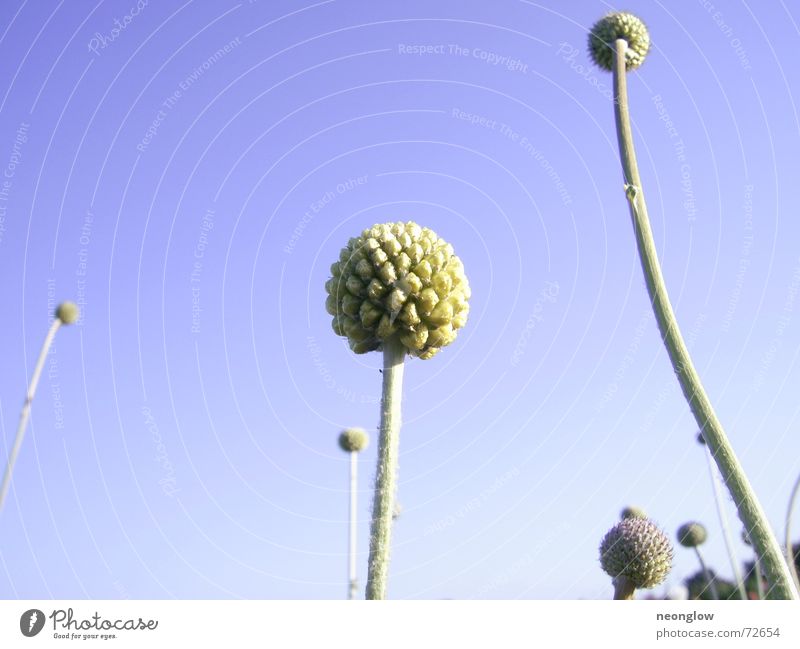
26	410
789	546
386	477
712	583
352	589
750	511
723	523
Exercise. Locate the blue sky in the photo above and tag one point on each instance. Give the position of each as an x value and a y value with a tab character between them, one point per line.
190	172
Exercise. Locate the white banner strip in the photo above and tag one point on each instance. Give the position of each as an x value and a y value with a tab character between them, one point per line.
400	624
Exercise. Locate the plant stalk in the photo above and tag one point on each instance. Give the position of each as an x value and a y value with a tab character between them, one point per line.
712	584
624	588
26	410
723	523
750	511
386	478
352	577
789	546
759	578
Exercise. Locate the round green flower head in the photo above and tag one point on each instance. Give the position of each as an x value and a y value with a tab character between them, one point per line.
636	549
615	25
690	535
68	312
632	512
398	279
353	440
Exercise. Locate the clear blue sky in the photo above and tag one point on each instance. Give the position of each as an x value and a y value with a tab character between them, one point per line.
189	173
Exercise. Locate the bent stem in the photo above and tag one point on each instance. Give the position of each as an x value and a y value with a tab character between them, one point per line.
712	584
750	511
723	523
789	547
386	478
26	410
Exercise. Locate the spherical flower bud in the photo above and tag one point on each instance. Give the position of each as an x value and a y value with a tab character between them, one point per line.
615	25
353	440
636	549
632	512
68	312
690	535
398	280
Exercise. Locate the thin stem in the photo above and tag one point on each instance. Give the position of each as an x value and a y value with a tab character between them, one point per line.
352	578
712	584
26	410
759	579
386	478
789	546
624	588
723	523
750	511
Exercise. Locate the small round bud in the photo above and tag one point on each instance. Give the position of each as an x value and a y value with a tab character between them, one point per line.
632	512
398	281
68	312
636	549
690	535
353	440
613	26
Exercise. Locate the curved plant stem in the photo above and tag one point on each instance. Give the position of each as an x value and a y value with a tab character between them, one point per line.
26	410
712	584
764	541
789	547
351	562
624	588
723	523
386	478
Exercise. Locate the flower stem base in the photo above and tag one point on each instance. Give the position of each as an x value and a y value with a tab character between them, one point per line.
624	588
